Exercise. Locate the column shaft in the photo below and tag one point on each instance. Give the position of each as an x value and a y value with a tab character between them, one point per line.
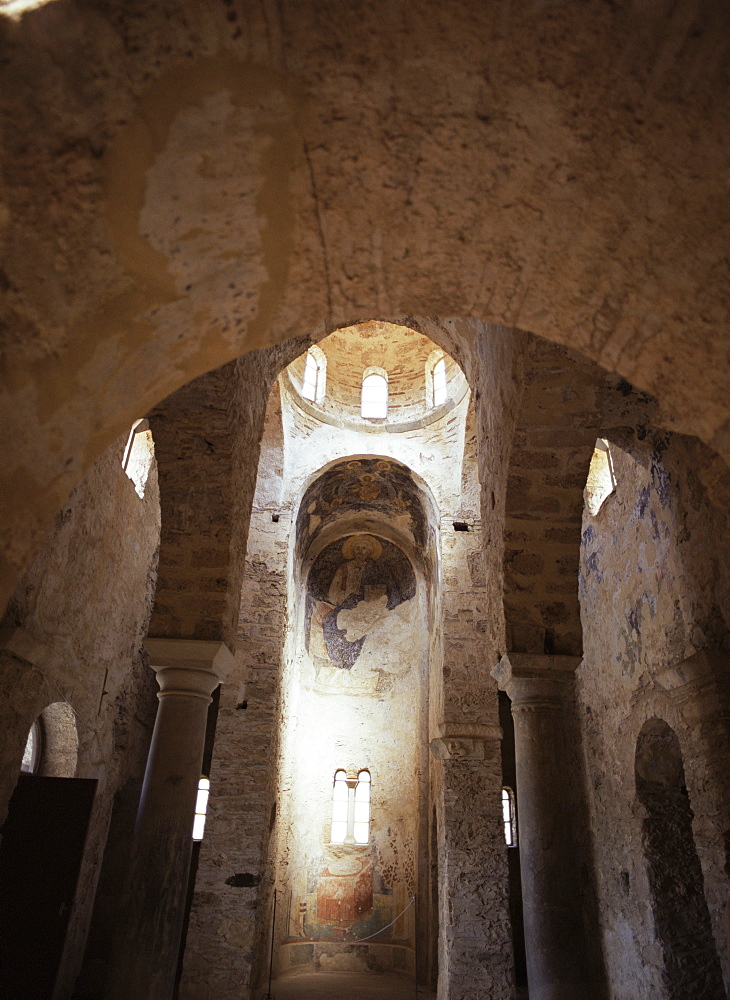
550	890
147	942
554	932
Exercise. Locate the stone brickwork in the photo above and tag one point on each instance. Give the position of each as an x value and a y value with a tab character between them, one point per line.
73	633
567	403
208	436
224	953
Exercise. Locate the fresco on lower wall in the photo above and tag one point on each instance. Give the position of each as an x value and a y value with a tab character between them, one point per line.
360	613
345	899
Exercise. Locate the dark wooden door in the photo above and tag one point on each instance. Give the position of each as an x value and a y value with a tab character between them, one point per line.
40	856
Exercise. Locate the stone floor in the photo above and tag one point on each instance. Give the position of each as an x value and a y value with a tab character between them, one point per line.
346	986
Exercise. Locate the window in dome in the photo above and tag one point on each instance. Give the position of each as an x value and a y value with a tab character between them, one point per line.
437	390
315	374
374	400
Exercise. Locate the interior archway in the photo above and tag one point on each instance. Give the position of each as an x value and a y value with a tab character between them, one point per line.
691	964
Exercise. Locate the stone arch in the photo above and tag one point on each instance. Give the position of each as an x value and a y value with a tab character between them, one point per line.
60	752
330	222
681	915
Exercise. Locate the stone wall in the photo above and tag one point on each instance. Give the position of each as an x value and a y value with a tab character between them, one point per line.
653	589
567	403
208	437
202	180
73	633
224	951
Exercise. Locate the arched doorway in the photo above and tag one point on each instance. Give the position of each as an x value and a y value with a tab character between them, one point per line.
681	916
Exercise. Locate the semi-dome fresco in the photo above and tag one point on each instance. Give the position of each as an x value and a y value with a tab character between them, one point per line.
359	594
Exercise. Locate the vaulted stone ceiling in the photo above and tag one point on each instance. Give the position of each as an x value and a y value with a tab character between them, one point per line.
184	182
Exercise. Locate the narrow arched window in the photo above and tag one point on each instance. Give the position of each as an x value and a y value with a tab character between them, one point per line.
315	373
437	391
340	797
31	762
601	481
509	817
439	382
201	808
361	824
374	399
138	455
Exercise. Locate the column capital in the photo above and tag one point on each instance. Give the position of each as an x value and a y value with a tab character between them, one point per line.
190	667
534	680
456	740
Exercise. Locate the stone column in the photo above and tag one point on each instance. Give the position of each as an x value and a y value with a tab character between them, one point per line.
475	954
554	933
146	947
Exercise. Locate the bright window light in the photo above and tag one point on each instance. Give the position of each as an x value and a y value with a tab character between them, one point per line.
361	824
340	801
374	400
440	392
508	817
138	455
309	382
16	8
32	753
315	372
601	479
201	808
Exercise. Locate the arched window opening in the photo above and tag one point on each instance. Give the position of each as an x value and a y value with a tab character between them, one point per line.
33	753
52	746
509	817
201	808
361	824
350	808
374	399
681	915
601	479
439	382
138	455
315	374
437	391
340	802
15	9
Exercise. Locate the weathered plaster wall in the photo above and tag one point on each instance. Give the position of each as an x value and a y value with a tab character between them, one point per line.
185	182
653	590
73	633
368	715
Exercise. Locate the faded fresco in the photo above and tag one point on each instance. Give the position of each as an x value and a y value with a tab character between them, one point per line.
345	898
360	613
361	484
